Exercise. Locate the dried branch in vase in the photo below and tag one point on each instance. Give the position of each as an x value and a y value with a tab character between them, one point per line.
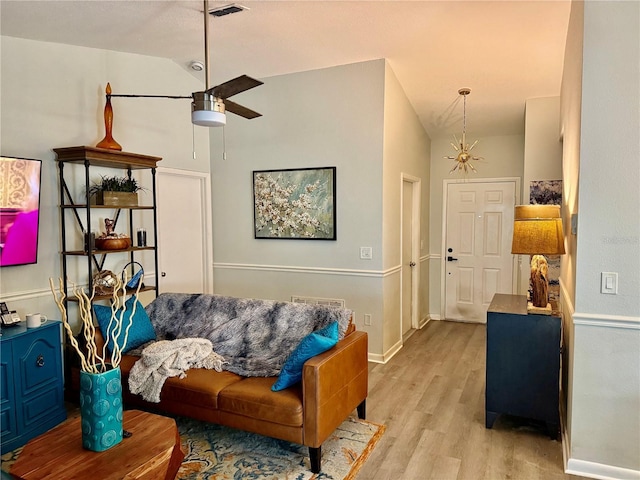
90	360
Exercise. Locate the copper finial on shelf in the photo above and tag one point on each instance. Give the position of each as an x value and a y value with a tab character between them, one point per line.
108	141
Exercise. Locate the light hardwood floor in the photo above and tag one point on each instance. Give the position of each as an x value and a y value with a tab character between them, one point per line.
430	396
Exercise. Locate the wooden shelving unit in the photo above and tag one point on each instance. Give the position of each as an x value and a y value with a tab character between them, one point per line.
83	211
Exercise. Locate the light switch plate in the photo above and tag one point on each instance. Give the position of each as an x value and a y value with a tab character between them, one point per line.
609	283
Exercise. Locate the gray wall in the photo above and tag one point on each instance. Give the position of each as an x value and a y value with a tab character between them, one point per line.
330	117
53	96
407	150
601	174
503	157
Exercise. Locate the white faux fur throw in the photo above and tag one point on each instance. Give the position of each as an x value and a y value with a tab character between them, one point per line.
170	358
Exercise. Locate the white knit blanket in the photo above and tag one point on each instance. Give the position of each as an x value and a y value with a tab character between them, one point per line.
170	358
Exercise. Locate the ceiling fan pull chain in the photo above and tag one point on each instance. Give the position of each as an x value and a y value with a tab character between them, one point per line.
193	140
224	143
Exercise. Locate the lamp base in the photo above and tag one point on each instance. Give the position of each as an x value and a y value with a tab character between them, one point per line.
533	310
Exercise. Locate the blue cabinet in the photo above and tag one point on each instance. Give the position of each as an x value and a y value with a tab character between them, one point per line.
31	382
523	363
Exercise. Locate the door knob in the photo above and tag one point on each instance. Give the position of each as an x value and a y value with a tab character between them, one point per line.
412	264
451	259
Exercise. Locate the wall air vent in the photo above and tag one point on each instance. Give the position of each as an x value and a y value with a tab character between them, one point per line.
227	10
329	302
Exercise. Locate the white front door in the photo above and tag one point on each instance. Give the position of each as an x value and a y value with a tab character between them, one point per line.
184	232
477	247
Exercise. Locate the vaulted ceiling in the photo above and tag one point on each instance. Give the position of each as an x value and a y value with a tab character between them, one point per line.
504	51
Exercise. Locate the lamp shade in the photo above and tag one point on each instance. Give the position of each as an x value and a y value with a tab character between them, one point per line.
537	230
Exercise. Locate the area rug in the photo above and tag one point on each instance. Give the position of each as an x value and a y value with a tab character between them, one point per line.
213	452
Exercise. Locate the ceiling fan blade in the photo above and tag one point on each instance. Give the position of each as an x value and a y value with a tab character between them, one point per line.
234	86
245	112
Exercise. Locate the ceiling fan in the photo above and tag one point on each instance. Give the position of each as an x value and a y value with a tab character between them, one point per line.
209	106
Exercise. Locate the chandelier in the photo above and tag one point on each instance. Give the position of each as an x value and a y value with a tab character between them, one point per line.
464	157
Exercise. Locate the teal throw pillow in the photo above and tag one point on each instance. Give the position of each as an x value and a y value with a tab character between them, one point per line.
140	332
313	344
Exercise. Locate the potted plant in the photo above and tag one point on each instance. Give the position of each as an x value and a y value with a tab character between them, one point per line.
115	191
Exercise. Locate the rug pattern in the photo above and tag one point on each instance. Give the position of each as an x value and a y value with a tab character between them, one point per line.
214	452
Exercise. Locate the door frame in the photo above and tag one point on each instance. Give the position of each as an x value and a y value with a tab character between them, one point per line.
415	245
204	180
443	254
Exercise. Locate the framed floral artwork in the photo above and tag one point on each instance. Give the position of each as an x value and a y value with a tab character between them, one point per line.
295	204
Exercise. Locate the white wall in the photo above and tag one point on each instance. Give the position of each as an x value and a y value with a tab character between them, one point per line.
570	123
330	117
604	379
406	151
503	157
542	158
542	145
53	96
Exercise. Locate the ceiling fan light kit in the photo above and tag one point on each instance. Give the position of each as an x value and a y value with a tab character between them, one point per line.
207	110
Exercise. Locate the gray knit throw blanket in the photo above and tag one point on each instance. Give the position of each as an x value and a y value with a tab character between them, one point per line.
254	336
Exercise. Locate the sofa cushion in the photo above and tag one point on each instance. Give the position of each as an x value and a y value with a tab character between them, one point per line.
313	344
200	387
252	397
140	332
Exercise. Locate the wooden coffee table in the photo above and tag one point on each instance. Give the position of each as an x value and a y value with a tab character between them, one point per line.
153	452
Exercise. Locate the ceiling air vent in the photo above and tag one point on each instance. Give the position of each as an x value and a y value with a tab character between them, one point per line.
226	10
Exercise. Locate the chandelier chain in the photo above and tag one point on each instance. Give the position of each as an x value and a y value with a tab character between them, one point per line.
464	115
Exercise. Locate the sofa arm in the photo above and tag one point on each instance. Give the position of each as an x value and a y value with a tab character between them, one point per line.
334	383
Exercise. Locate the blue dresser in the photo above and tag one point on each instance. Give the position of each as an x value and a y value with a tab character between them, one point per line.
523	363
31	382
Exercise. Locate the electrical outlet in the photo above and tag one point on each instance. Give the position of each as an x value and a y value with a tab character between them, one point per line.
367	319
366	253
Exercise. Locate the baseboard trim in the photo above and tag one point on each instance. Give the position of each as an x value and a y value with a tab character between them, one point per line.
422	323
600	471
564	432
385	357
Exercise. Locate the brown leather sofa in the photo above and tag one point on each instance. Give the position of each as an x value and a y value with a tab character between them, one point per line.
333	385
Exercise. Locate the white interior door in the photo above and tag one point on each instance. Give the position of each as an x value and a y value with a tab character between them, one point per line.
407	256
477	259
184	232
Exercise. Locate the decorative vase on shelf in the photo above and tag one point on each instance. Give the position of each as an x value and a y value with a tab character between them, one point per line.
108	141
101	409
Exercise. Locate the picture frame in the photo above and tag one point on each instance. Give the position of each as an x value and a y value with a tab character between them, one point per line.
295	204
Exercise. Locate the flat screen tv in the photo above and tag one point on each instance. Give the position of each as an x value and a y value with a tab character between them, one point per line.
19	210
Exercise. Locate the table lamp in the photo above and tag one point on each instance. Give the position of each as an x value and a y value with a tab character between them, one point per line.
537	231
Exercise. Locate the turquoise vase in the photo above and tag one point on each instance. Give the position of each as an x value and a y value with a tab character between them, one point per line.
101	409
